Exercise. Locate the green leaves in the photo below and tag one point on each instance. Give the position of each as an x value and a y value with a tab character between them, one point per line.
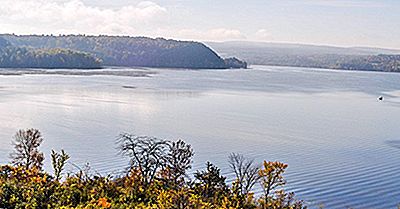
58	160
22	57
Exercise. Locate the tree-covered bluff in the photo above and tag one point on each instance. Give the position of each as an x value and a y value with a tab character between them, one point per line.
24	57
132	51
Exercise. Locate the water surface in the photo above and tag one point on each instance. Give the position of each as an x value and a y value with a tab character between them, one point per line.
342	145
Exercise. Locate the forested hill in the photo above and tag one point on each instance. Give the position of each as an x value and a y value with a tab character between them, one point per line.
313	56
133	51
3	43
23	57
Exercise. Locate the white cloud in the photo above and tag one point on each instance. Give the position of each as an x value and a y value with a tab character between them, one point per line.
145	18
73	16
216	34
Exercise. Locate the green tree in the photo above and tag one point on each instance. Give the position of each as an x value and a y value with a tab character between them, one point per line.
210	184
58	161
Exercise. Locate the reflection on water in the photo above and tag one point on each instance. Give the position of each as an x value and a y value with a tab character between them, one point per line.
339	141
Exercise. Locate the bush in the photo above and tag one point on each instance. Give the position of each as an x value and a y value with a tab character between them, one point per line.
150	183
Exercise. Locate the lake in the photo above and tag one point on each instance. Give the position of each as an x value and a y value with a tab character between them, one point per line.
342	144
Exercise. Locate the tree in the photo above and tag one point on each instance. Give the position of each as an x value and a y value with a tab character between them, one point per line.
58	160
179	160
29	187
26	144
210	183
271	177
246	172
147	154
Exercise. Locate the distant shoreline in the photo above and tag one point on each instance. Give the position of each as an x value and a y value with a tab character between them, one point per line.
146	72
77	72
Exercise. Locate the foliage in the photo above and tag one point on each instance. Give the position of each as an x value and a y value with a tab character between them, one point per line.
147	154
22	57
246	172
178	161
58	161
388	63
271	176
132	51
26	144
210	184
234	62
30	187
368	59
3	43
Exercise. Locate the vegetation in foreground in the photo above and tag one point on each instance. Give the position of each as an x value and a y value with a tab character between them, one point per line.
157	178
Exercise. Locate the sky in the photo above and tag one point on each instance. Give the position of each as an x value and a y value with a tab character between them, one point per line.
373	23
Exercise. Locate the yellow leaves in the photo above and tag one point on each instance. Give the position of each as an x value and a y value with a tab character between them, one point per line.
141	189
272	167
226	204
269	167
93	191
164	200
103	202
39	190
272	177
250	197
38	179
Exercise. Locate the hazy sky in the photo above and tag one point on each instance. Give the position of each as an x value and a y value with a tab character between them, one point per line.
333	22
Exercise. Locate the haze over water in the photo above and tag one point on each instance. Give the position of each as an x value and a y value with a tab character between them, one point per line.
342	145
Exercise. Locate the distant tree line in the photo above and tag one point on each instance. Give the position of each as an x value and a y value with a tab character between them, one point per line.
156	178
369	59
23	57
386	63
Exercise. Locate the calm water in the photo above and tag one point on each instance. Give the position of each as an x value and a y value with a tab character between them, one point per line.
341	144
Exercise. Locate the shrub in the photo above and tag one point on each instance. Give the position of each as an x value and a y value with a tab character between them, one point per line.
156	180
